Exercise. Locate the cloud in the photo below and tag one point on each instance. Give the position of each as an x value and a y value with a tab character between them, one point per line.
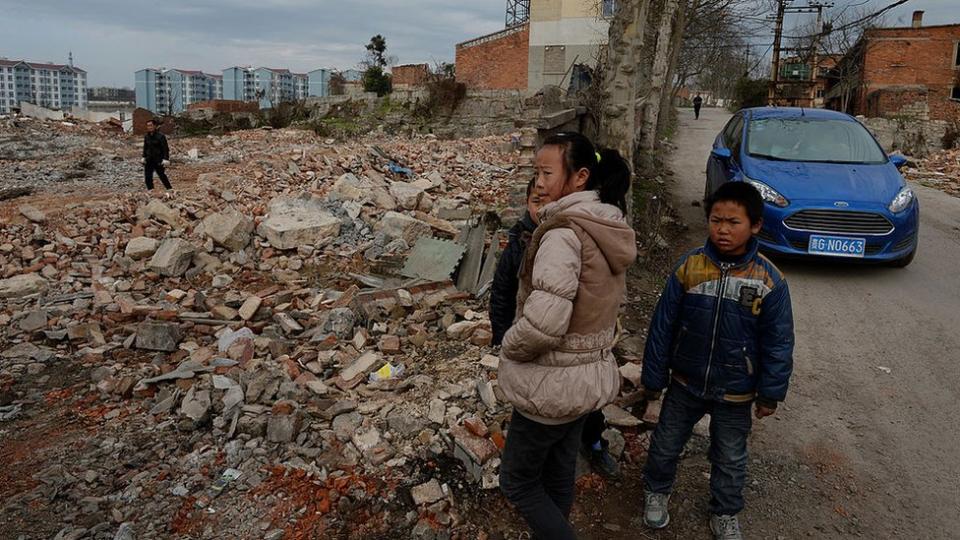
113	38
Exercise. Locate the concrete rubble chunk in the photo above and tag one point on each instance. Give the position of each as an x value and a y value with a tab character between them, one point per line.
35	320
427	493
406	195
438	411
361	366
162	212
619	417
196	404
395	225
432	259
158	336
293	223
631	372
229	228
32	213
250	307
172	258
141	247
22	285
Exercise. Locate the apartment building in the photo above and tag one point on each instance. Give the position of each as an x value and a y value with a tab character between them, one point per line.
170	91
55	86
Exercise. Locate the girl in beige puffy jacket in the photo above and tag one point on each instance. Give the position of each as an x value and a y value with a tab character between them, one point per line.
556	361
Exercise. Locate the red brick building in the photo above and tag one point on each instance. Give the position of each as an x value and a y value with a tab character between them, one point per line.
410	75
892	72
497	61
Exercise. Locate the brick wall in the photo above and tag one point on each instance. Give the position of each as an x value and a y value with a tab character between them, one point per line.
912	64
140	117
411	75
495	62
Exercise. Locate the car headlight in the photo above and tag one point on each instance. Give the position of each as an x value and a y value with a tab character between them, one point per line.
902	200
768	193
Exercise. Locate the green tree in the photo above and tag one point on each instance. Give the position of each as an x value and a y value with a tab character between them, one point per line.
377	51
751	92
375	77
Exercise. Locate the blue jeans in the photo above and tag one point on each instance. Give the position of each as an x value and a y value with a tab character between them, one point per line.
538	473
730	424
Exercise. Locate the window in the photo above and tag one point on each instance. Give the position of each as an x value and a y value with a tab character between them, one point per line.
608	8
956	57
955	94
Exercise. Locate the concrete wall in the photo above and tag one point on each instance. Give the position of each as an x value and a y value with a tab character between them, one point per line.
563	32
907	135
35	111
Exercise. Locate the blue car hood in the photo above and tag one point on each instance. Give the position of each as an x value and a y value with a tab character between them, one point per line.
828	182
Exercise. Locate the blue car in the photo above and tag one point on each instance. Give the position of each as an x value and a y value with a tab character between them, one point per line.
830	189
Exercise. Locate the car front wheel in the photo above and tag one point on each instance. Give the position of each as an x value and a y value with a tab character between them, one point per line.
905	261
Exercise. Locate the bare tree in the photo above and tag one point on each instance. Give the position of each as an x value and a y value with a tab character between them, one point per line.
658	75
620	78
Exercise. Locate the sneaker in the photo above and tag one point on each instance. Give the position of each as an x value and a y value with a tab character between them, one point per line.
602	462
655	514
725	527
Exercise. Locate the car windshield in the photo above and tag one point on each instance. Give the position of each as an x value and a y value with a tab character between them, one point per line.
803	139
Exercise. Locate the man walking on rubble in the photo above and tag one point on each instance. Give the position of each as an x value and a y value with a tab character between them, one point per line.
156	155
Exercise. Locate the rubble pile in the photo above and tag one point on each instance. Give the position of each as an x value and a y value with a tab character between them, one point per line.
253	336
940	170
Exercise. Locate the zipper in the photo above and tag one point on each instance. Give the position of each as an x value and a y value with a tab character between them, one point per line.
724	268
749	362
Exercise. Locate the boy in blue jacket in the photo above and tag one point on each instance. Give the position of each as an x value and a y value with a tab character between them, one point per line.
722	339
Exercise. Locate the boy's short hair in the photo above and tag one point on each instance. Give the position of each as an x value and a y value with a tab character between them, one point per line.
530	184
741	193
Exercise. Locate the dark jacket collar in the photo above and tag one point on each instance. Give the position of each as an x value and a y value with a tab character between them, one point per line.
525	224
711	251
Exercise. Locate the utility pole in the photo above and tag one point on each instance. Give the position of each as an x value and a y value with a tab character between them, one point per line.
777	36
782	9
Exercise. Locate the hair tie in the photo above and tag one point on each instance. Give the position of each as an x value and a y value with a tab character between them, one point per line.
598	157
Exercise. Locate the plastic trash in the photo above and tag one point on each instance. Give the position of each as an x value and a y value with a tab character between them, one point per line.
217	487
397	169
387	372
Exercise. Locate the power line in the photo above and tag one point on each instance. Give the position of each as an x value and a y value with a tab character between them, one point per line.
854	23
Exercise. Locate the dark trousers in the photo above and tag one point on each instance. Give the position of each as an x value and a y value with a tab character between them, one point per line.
696	111
149	167
538	471
593	428
730	424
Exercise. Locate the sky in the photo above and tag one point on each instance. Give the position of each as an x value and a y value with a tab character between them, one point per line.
111	39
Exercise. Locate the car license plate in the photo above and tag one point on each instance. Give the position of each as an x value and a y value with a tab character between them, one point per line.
837	246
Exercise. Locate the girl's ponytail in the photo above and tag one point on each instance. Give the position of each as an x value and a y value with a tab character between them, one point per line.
611	178
609	172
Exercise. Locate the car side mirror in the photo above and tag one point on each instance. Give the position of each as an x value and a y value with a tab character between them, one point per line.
722	153
898	160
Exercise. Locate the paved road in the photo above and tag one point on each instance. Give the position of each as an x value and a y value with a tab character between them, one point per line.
883	448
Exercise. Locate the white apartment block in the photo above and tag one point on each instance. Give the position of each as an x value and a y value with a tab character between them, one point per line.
170	91
54	86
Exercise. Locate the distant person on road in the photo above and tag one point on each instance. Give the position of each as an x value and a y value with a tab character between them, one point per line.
503	310
556	363
156	155
697	103
721	339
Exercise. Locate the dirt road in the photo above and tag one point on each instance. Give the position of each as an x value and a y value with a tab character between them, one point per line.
868	442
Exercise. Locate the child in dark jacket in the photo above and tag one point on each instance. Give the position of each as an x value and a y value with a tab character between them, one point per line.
721	338
503	307
506	281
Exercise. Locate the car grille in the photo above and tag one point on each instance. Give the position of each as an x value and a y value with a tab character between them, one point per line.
803	245
839	221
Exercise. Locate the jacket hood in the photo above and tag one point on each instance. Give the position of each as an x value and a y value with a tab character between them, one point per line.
604	223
